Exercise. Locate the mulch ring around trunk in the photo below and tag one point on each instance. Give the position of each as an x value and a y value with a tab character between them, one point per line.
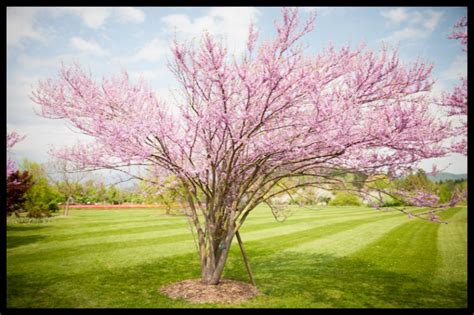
227	291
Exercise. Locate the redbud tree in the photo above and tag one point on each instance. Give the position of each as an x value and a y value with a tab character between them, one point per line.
246	123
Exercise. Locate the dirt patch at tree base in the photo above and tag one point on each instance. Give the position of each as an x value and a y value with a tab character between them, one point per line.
227	291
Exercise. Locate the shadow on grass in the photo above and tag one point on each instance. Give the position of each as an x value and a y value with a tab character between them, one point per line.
295	280
16	241
136	286
23	228
347	282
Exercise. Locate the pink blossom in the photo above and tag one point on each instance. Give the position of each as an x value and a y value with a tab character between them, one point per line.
456	101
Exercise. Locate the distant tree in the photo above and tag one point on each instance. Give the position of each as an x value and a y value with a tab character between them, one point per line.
92	191
170	194
42	197
345	199
149	192
101	192
133	194
447	188
67	181
415	182
114	195
445	191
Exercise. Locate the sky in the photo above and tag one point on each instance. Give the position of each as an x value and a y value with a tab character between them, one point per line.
108	40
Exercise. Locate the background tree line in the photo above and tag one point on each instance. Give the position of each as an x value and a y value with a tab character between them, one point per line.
380	190
34	191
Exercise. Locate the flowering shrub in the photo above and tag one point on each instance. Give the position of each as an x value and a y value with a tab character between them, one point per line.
18	183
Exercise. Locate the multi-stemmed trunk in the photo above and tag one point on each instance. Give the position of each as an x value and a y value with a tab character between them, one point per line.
213	261
222	212
214	245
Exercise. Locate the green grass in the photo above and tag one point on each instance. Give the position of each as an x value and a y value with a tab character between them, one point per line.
335	257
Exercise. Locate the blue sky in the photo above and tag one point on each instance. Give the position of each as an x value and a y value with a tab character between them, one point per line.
106	40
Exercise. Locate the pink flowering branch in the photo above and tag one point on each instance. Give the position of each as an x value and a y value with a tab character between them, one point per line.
417	198
13	138
456	101
460	32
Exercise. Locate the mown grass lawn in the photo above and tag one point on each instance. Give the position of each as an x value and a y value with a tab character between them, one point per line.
345	257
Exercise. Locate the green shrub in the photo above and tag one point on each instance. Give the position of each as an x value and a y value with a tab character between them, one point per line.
345	199
41	194
38	213
392	203
53	206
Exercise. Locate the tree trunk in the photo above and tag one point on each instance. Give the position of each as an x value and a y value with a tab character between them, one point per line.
211	271
214	240
66	209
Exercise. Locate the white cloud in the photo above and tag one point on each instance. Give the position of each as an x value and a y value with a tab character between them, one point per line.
21	25
457	69
31	62
408	33
324	11
439	87
129	14
312	9
415	25
22	22
89	47
153	50
20	108
93	17
432	21
454	163
41	137
395	15
177	20
147	75
21	116
449	78
230	22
